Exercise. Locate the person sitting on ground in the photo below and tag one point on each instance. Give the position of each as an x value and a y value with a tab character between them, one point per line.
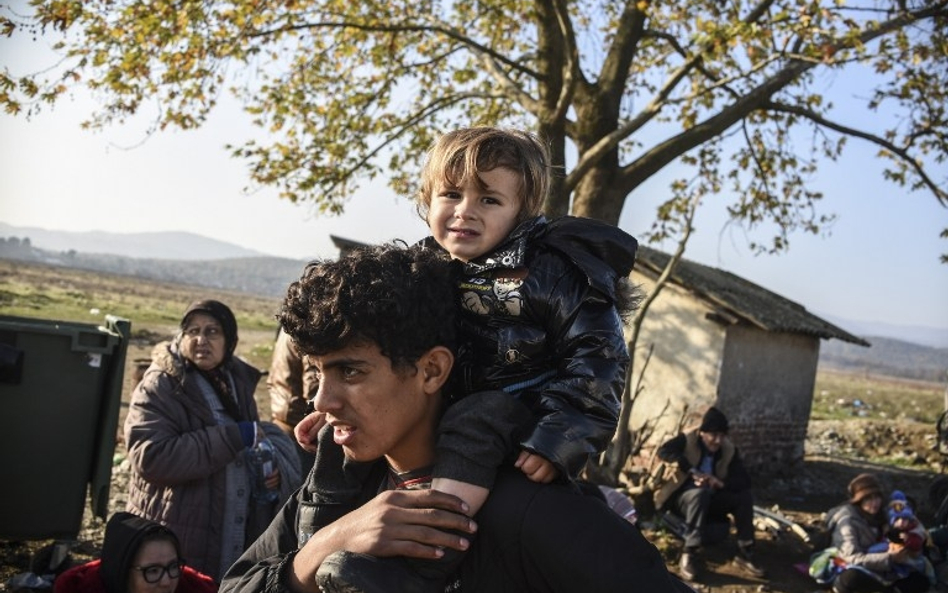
292	384
138	556
615	498
906	530
379	326
858	525
191	422
709	482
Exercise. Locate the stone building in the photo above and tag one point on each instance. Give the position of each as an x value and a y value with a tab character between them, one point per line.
720	340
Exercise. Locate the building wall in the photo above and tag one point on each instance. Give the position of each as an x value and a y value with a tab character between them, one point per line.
766	390
683	370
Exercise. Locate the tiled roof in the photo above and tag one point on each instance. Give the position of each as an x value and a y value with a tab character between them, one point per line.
346	245
733	296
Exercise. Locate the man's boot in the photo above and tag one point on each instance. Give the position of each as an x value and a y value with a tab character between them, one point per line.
745	561
689	565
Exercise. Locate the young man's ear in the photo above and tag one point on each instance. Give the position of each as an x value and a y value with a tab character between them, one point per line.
436	367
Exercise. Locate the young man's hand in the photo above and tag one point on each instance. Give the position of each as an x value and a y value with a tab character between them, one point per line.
412	523
536	468
307	431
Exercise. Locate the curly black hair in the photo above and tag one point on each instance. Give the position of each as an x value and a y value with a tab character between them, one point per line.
397	297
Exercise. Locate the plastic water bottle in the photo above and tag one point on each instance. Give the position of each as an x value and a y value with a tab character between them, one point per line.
262	459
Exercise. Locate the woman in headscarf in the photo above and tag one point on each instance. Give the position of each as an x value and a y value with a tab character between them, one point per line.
138	556
857	526
191	421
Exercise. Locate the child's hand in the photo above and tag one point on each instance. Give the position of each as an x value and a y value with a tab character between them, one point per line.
307	431
536	468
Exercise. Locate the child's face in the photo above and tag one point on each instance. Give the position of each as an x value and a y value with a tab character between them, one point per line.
468	221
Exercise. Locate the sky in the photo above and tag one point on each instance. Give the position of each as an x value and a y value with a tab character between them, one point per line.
879	263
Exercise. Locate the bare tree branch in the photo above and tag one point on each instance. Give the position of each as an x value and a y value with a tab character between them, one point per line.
940	194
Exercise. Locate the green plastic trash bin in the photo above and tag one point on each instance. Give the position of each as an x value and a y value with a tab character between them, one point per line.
60	392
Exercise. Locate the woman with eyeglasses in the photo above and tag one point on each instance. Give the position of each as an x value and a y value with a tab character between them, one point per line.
138	556
190	424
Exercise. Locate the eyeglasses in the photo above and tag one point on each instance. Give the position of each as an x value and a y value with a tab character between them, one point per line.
153	572
210	332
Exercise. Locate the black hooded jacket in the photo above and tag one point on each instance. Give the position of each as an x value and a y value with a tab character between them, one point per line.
539	320
124	534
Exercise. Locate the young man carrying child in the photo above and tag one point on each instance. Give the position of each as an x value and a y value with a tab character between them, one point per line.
379	326
542	358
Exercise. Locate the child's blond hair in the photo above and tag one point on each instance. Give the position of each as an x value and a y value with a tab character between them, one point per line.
458	156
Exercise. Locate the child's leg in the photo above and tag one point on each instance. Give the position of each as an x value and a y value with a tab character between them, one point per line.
473	495
475	436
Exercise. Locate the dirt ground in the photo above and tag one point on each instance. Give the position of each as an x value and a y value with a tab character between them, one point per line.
801	493
804	493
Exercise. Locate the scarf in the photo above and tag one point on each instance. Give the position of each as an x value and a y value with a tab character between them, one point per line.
220	382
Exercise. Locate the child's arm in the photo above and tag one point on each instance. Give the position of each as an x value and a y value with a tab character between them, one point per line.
307	431
579	407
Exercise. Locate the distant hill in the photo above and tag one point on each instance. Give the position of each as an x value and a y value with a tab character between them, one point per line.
261	276
167	244
887	356
926	336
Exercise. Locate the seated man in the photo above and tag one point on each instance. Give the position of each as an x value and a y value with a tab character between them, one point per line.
709	482
379	326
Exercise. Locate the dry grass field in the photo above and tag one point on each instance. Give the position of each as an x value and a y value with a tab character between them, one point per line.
842	395
859	422
154	308
897	417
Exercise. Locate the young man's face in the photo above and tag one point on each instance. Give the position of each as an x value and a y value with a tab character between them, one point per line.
469	222
375	410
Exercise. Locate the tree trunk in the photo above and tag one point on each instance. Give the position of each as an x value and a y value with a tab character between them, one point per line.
557	203
598	196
